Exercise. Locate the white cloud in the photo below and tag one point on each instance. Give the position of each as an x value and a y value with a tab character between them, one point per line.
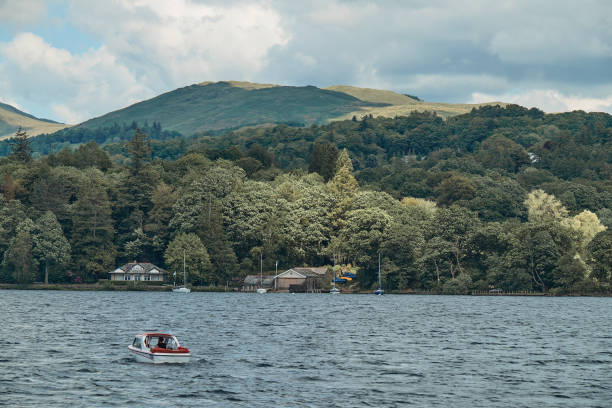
76	87
175	43
440	50
453	84
344	14
306	60
549	100
22	11
148	47
532	44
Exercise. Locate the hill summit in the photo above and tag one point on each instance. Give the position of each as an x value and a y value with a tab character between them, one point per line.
229	105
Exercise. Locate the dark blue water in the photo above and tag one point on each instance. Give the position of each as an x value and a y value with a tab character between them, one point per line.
70	348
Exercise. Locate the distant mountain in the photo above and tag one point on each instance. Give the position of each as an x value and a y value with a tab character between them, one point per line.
233	105
11	118
227	105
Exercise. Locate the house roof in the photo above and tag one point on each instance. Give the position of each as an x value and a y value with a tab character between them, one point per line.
311	271
304	272
140	267
255	280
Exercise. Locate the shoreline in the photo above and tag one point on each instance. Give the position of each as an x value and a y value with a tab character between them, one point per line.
97	287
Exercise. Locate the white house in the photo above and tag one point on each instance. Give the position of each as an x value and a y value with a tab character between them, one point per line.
139	271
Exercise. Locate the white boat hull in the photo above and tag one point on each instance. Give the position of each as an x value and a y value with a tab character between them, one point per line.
182	290
262	290
159	358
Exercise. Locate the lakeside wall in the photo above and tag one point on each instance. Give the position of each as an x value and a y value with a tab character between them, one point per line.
139	287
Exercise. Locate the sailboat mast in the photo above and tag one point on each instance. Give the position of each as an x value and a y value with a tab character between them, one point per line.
379	270
184	273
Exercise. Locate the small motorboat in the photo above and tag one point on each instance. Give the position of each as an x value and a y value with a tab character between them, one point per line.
158	348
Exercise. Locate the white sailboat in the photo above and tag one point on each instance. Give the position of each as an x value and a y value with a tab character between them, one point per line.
184	288
379	291
334	290
261	289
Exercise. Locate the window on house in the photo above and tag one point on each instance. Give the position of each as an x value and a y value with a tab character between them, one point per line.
137	277
147	277
126	277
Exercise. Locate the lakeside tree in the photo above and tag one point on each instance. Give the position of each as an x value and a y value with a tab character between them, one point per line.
460	213
50	246
19	256
190	248
92	228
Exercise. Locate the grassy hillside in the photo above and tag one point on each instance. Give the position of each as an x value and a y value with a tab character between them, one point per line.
223	106
445	110
218	106
401	105
11	118
373	95
232	105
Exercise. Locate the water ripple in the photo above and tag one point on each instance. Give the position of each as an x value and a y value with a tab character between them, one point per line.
306	350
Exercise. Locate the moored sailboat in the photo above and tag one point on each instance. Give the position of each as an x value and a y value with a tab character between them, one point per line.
261	289
379	291
184	288
334	290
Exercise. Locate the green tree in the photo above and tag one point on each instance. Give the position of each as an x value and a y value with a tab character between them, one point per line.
133	202
92	231
139	149
250	215
50	246
403	245
203	193
323	159
363	237
587	224
535	249
157	227
542	207
570	271
460	286
12	214
21	149
456	188
91	155
498	151
198	266
305	225
599	257
19	254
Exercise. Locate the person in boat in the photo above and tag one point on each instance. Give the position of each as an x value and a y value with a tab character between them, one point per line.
161	343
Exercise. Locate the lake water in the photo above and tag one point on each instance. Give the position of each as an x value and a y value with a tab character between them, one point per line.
66	348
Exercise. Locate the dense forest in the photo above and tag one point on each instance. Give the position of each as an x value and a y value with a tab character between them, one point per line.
508	198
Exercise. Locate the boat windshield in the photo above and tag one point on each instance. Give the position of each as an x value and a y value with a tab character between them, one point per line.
136	342
163	342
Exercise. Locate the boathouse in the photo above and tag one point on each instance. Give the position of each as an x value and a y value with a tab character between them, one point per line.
139	271
300	279
253	282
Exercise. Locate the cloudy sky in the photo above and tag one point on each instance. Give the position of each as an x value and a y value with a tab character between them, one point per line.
71	60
